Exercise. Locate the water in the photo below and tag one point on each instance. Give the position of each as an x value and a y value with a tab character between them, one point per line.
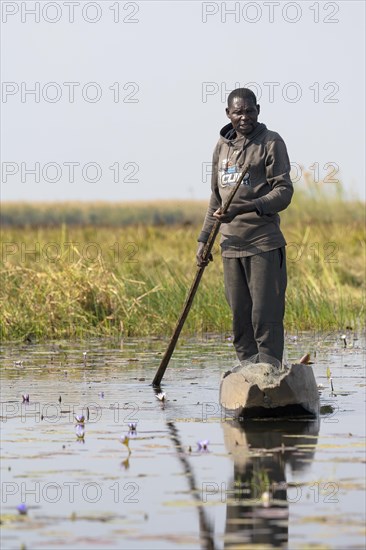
266	484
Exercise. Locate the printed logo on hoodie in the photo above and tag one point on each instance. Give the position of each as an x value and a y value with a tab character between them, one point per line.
228	175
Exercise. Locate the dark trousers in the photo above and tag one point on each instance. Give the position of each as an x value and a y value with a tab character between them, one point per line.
255	288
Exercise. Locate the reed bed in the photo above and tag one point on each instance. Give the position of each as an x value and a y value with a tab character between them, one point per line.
78	281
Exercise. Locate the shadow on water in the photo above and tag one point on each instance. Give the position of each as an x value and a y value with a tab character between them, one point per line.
257	510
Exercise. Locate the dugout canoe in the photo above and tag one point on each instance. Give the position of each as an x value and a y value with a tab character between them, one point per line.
261	390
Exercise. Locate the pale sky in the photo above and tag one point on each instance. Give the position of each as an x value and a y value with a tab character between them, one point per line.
129	97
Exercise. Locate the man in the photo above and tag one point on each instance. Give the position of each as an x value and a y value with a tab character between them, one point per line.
253	247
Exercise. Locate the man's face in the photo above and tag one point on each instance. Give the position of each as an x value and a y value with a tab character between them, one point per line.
243	114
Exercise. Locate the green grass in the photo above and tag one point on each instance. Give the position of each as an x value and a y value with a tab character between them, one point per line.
102	281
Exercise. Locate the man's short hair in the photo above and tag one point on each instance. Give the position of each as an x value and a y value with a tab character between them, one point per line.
244	93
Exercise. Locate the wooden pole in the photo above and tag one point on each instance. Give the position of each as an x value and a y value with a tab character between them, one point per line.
187	305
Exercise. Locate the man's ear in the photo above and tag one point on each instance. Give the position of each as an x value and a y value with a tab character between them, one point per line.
258	108
227	112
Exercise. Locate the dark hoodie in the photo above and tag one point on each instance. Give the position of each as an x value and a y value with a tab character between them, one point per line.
267	184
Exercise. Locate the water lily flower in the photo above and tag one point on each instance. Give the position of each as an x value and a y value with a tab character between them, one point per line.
25	397
132	429
18	363
80	419
22	509
80	432
203	445
161	396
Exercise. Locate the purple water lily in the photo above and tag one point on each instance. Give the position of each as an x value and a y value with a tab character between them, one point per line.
80	419
132	429
79	431
22	509
25	397
203	445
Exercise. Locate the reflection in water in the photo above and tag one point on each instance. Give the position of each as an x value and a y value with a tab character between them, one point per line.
206	528
257	502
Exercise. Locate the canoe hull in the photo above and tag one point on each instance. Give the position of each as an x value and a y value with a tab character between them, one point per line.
260	390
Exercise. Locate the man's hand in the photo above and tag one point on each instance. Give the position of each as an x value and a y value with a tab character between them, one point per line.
227	217
243	208
199	254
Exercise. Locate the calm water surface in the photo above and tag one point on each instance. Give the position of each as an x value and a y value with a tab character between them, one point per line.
260	485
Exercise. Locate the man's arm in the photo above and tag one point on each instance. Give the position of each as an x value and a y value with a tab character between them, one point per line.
278	177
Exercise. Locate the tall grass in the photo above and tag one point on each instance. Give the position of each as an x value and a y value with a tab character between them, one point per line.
79	281
102	214
313	203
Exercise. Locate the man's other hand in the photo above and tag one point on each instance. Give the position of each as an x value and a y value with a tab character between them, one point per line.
199	254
